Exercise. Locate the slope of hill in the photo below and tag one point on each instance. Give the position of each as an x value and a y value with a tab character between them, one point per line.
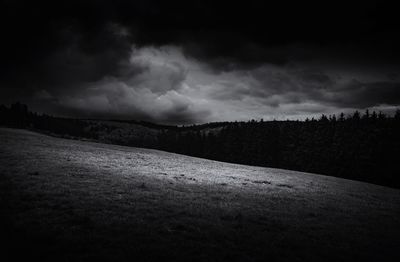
72	200
358	147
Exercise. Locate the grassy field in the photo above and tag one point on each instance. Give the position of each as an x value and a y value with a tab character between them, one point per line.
67	200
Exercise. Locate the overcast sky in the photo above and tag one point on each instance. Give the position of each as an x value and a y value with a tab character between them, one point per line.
182	62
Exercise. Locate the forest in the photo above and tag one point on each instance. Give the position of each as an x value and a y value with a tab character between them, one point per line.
361	146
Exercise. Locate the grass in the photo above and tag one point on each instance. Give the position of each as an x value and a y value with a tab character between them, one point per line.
69	200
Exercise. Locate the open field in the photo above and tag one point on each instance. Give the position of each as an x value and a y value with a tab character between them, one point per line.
68	200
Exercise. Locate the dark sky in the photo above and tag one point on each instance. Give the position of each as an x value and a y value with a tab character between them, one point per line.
180	62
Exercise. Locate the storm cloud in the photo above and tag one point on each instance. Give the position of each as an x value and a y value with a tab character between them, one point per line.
170	62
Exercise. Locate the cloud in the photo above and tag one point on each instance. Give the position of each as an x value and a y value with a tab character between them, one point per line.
359	94
166	61
163	85
149	87
228	36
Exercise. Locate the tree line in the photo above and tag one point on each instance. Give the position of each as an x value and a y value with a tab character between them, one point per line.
361	146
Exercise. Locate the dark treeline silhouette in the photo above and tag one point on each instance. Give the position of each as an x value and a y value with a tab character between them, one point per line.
363	147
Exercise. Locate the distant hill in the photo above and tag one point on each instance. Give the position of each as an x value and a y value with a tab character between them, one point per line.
361	147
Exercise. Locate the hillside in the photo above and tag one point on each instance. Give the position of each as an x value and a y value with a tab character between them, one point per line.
362	147
68	200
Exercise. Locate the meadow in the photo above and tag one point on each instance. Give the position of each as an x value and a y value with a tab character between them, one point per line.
70	200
